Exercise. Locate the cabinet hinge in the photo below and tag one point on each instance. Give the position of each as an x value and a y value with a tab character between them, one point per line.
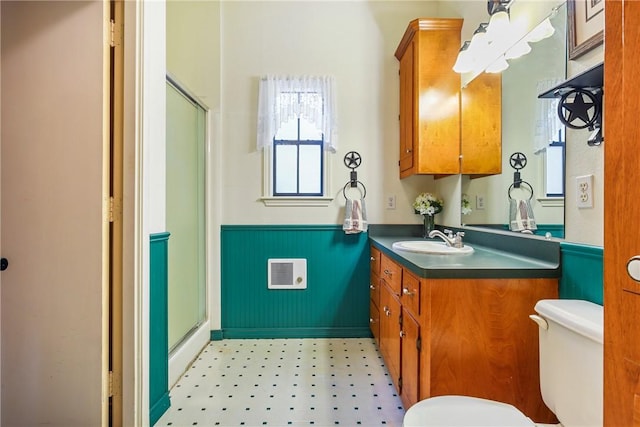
400	320
110	383
111	203
115	34
400	383
419	343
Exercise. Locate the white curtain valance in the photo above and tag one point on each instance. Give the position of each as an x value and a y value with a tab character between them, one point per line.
548	125
279	102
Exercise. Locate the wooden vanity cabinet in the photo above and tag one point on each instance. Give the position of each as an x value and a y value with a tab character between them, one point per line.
481	342
470	337
445	130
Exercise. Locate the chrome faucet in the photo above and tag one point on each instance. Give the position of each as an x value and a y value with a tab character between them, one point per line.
455	241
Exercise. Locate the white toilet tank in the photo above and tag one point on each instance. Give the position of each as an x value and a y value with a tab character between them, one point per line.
571	363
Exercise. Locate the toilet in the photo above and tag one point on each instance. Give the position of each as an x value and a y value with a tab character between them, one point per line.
571	371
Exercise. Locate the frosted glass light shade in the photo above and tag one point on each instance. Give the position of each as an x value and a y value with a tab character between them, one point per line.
479	42
541	31
464	61
519	49
498	66
498	25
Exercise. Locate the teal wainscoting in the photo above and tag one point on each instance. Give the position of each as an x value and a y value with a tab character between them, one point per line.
159	327
335	303
582	272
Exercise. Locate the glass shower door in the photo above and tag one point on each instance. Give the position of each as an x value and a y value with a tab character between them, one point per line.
185	176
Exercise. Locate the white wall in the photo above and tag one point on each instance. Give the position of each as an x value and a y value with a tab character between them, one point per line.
584	225
150	119
354	41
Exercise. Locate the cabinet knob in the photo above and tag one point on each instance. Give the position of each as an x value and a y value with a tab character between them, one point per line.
407	292
407	151
372	259
401	334
372	287
371	320
388	273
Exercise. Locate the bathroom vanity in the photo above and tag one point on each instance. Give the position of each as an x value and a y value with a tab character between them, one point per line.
459	324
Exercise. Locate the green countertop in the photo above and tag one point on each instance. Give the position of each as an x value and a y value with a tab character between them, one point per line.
484	262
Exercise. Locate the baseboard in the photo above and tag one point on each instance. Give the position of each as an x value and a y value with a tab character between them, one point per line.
159	408
181	358
238	333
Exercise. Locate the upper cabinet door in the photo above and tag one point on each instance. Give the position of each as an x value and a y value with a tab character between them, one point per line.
481	126
429	97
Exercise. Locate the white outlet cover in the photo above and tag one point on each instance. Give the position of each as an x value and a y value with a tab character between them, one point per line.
584	191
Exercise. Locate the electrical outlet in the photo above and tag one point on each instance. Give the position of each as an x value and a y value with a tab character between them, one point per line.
584	191
391	202
479	202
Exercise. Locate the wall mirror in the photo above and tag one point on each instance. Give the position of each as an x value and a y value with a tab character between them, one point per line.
523	116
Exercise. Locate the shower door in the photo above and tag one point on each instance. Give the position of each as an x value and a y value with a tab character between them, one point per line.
186	134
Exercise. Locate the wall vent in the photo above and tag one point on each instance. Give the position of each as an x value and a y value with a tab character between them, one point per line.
287	273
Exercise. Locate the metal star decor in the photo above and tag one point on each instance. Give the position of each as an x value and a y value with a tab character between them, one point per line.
578	104
518	160
352	159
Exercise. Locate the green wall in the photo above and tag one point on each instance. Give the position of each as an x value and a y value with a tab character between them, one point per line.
582	272
335	303
158	327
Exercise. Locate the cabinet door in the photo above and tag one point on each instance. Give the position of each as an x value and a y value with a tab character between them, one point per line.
374	321
410	298
374	261
390	332
407	108
410	368
481	126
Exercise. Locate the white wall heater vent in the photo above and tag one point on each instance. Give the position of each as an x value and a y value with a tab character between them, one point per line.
287	273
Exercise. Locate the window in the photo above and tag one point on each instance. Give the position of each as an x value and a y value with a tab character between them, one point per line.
296	130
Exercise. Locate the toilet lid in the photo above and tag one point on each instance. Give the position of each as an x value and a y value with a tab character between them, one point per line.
459	411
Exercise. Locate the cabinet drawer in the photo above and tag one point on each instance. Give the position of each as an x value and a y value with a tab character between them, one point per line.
410	297
391	273
374	288
375	261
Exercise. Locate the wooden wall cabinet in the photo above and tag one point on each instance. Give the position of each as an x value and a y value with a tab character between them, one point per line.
469	337
435	131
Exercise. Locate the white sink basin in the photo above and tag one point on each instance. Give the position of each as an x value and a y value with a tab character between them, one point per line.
431	247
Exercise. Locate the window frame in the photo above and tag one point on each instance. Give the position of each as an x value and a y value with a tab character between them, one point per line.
271	198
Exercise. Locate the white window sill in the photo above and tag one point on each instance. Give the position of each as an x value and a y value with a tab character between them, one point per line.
297	201
551	201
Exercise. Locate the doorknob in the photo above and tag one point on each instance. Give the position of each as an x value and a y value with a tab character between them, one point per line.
633	268
4	263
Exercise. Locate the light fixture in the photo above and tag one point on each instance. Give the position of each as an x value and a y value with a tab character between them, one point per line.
499	24
479	43
498	66
541	31
464	62
517	50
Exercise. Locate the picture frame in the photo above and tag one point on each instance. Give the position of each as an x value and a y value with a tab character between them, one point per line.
586	26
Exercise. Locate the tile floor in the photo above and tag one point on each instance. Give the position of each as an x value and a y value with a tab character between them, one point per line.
280	382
